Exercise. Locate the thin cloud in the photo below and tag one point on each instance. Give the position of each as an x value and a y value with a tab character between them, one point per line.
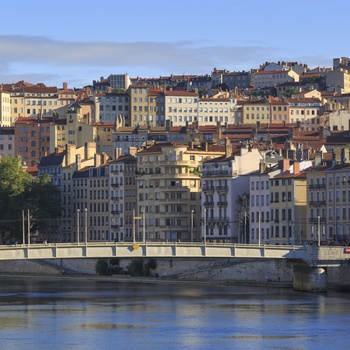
41	50
41	59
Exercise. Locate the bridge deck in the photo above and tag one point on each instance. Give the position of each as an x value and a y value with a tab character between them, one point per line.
150	250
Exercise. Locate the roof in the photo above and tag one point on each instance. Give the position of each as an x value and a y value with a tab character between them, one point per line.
55	159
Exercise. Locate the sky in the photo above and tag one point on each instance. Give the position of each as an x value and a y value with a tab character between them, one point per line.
52	42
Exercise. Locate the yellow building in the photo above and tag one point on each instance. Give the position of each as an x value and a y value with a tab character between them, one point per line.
255	111
76	130
168	188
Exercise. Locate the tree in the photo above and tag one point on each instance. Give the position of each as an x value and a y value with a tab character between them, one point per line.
18	192
43	202
13	182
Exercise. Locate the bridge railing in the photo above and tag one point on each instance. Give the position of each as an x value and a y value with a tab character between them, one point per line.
150	249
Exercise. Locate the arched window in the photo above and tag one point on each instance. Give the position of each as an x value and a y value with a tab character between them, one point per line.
33	133
33	143
33	154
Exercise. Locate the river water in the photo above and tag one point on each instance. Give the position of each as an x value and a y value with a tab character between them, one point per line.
75	313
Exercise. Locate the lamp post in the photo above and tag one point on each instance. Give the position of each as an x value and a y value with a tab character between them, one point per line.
192	211
78	214
85	223
318	231
23	229
28	218
143	224
205	226
133	226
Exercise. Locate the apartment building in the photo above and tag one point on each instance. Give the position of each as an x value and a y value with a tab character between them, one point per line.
234	80
288	205
104	137
329	204
262	79
181	107
90	196
338	79
5	108
259	208
7	142
113	105
60	166
119	81
279	111
66	96
255	111
122	172
305	111
212	111
142	106
223	182
32	138
168	188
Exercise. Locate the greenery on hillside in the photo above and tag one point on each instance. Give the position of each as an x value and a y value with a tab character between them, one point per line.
19	192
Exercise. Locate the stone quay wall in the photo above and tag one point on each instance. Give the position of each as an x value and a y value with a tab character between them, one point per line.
206	269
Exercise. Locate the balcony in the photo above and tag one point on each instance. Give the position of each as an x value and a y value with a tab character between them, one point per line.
208	188
316	186
174	200
222	204
115	185
222	188
317	203
208	204
115	198
216	173
217	220
115	212
315	220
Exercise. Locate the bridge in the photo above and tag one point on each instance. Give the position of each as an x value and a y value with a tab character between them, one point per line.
149	250
310	263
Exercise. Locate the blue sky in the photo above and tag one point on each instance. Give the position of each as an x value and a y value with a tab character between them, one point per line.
79	41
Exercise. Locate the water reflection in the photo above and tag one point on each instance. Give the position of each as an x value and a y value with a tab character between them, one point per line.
96	314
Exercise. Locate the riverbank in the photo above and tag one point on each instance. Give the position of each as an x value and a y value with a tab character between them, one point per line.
144	280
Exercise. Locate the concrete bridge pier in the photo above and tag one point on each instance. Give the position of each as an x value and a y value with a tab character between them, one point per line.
310	278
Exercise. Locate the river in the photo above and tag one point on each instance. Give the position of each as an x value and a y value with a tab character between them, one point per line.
77	313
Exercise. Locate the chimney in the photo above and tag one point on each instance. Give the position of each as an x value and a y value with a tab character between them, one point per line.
133	151
97	160
284	164
65	86
104	158
78	162
318	158
118	152
296	168
262	166
90	149
228	148
320	133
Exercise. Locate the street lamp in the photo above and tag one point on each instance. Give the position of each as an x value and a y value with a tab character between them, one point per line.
143	224
205	226
192	211
78	213
85	223
318	231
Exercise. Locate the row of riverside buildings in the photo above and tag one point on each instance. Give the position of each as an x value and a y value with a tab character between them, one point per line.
248	157
169	191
